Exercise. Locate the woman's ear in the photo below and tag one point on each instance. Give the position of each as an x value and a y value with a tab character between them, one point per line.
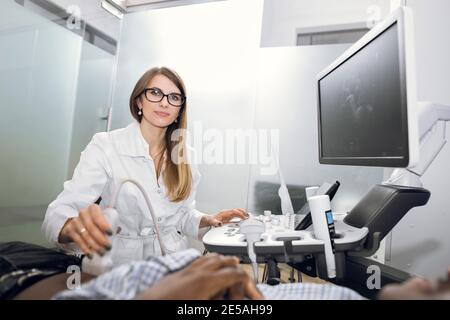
139	102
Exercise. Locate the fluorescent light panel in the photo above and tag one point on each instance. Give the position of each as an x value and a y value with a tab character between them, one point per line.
114	8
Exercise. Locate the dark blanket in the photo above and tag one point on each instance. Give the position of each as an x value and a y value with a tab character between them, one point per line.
22	264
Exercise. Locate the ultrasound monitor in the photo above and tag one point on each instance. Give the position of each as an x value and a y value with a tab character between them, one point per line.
367	100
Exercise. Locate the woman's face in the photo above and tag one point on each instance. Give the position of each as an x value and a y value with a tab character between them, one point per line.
159	114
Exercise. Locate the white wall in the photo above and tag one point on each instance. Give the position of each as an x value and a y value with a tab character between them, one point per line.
282	17
216	59
421	242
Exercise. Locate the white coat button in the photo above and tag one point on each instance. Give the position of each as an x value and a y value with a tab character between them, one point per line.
159	219
159	191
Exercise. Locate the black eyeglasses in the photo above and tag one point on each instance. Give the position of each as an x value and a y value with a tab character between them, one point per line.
156	95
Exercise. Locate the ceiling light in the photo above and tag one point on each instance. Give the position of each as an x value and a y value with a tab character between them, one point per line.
115	7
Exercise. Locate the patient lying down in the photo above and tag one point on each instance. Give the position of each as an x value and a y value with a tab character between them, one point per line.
186	276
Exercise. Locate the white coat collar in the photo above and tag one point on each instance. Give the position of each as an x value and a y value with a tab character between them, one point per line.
130	142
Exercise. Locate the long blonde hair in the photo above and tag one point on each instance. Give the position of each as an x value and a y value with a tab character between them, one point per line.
177	177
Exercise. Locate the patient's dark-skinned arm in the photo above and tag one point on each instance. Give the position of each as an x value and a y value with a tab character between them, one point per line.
209	277
417	289
47	288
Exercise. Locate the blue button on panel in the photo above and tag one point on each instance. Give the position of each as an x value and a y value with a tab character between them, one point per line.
329	217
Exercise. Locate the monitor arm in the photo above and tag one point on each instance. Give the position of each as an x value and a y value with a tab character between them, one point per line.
432	119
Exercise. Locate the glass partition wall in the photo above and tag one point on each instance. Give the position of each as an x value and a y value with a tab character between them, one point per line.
54	91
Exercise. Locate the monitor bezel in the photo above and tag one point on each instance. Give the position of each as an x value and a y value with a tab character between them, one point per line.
403	18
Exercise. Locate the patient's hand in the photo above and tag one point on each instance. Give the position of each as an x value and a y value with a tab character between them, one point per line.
222	217
417	289
209	277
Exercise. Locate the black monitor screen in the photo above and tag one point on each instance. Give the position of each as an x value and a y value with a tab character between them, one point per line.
362	107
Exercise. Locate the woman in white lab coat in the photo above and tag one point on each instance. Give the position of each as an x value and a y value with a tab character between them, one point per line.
143	151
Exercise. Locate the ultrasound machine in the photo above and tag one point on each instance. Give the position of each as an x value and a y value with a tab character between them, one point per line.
368	115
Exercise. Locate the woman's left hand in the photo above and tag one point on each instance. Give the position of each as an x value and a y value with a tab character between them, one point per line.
224	216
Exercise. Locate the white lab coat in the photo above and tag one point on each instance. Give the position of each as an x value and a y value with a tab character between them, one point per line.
108	159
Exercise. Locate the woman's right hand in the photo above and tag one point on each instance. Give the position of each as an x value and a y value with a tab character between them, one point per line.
89	230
